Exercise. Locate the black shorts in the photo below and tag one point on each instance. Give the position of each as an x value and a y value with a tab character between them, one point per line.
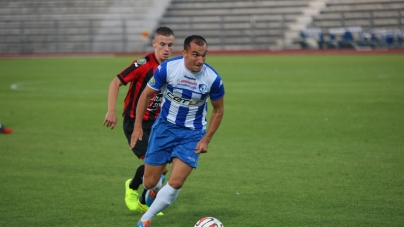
141	145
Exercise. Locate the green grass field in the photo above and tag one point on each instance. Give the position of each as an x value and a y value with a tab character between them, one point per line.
306	140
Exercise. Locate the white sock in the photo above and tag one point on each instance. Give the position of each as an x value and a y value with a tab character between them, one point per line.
159	185
164	198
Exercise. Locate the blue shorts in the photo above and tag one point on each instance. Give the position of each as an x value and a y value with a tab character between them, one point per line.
168	141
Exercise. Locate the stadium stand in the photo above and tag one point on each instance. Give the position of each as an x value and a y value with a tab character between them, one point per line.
357	24
233	25
38	26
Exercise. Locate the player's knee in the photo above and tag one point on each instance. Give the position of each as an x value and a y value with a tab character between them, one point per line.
149	185
175	184
150	182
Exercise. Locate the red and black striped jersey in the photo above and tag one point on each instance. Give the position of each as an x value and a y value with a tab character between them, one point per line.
138	74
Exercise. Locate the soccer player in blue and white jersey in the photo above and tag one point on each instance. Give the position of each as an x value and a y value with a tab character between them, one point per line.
180	133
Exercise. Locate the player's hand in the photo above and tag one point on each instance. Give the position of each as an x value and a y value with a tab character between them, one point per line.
201	147
111	120
136	135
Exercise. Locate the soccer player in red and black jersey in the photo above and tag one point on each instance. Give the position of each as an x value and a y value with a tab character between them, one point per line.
138	74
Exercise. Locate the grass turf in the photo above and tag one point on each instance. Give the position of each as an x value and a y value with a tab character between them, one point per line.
307	140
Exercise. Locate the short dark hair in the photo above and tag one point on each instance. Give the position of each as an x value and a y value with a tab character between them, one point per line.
199	40
165	31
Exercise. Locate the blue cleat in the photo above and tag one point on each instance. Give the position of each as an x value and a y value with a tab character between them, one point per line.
143	224
151	194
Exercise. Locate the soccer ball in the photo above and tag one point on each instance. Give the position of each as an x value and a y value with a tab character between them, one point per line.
208	222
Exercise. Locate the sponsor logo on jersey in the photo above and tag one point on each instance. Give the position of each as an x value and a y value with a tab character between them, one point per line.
141	61
203	88
187	83
189	78
154	102
182	101
152	81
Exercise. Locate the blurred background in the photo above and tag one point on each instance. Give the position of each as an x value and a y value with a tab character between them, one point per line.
96	26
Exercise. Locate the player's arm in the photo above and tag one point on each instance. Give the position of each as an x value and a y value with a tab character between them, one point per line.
140	110
111	119
214	122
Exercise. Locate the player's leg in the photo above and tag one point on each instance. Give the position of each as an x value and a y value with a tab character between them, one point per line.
140	151
184	160
158	155
132	185
167	194
179	173
152	176
146	125
143	203
137	179
168	143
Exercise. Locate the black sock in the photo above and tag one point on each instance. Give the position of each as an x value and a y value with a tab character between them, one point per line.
138	178
142	198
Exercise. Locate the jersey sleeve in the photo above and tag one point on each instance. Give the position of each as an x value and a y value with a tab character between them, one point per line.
159	78
217	89
132	72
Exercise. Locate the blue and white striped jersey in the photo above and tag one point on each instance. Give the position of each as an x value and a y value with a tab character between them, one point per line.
185	93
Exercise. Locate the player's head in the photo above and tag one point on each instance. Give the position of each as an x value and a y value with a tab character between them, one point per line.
163	43
195	50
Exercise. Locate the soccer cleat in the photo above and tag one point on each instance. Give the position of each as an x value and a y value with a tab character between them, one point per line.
150	197
143	224
131	196
151	194
143	208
